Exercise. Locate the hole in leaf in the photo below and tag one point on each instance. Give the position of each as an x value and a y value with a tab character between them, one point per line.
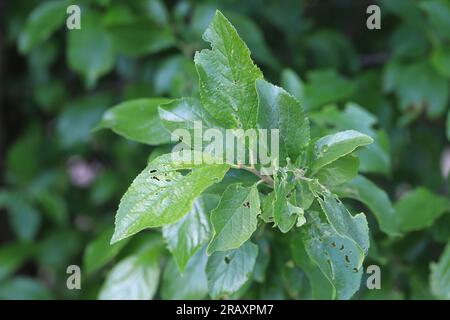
156	178
347	259
342	247
333	244
227	260
153	171
247	204
355	270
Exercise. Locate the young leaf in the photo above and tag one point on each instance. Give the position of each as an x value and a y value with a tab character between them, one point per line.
419	208
227	76
334	146
161	195
137	120
338	257
279	110
228	271
134	278
186	236
440	275
192	284
235	218
285	212
375	199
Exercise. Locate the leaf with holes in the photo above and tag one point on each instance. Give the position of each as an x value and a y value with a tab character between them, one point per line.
235	218
228	271
161	195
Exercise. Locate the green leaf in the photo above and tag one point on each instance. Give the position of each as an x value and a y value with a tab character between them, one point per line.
321	287
12	256
41	23
190	285
375	157
338	257
448	125
227	76
228	271
326	86
99	252
440	60
24	288
353	227
186	236
134	278
420	86
24	219
440	275
439	15
419	208
285	211
137	120
161	195
187	114
279	110
235	218
375	199
90	50
292	83
339	171
140	37
334	146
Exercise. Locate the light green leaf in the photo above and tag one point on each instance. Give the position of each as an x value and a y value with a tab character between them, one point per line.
279	110
191	285
134	278
339	171
228	271
137	120
334	146
285	211
227	76
375	199
161	195
235	218
90	50
338	257
440	275
186	236
41	23
419	208
99	252
353	227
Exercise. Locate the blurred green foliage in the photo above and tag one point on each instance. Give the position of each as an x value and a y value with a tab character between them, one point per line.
61	181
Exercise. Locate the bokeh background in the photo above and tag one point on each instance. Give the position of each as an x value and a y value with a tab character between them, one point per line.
60	181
